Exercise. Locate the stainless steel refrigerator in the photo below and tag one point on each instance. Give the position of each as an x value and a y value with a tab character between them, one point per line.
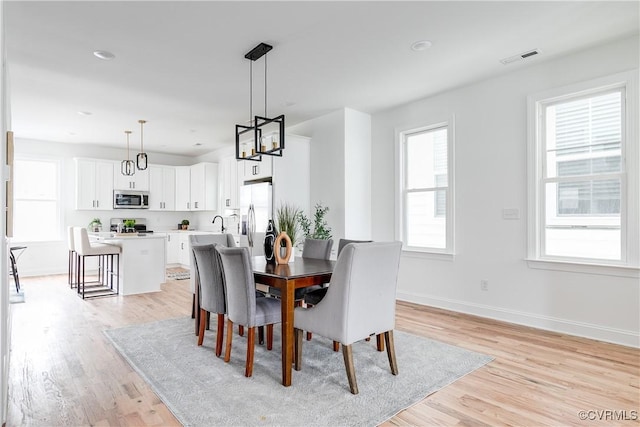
256	209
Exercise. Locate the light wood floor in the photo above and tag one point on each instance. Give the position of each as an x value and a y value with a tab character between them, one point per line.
64	372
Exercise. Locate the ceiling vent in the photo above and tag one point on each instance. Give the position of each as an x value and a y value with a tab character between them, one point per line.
520	57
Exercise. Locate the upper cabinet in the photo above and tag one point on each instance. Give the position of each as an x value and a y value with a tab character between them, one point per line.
94	184
256	170
228	183
204	187
138	181
162	188
197	187
183	188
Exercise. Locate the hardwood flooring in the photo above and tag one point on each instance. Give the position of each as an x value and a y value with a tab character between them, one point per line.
64	372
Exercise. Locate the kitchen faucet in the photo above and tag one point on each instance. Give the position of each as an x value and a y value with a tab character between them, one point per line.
222	229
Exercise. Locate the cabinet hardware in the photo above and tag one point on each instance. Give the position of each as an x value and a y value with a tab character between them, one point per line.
97	203
182	246
196	205
227	202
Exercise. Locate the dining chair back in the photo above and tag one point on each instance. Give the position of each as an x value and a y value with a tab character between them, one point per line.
203	239
243	307
317	248
208	271
360	302
72	258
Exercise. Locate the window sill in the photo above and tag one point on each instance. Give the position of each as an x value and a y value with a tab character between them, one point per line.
412	253
576	267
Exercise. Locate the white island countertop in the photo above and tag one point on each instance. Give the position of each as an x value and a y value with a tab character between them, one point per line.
142	260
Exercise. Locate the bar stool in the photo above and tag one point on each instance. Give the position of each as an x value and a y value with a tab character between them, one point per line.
105	253
13	264
72	279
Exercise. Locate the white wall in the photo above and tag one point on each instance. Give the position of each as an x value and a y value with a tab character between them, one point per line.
51	257
341	170
490	165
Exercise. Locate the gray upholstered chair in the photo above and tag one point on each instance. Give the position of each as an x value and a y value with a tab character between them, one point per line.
313	248
313	297
208	271
360	302
243	307
203	239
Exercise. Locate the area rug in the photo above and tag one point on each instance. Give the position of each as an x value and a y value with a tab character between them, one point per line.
178	275
201	390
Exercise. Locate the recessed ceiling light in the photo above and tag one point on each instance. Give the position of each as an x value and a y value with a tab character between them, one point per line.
71	133
103	54
84	113
197	144
421	45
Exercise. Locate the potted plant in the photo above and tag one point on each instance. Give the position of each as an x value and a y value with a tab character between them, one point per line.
184	224
321	229
95	225
287	217
129	225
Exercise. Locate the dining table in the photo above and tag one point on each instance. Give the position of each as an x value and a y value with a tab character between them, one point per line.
298	273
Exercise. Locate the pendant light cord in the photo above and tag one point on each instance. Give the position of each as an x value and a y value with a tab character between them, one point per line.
251	93
265	85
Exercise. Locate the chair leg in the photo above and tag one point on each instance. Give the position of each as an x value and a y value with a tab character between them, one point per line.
251	342
227	351
347	354
220	332
193	306
309	336
260	335
336	346
297	349
241	330
201	328
380	342
270	336
391	352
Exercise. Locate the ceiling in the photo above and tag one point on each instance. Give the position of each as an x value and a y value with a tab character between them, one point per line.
180	64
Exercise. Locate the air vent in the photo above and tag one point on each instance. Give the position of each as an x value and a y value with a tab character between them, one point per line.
520	56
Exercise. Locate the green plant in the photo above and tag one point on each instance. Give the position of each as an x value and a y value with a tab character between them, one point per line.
94	222
129	223
185	222
287	217
321	229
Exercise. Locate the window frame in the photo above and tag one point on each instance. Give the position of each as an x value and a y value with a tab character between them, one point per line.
629	188
58	198
401	191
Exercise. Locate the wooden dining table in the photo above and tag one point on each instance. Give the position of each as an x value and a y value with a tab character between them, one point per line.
298	273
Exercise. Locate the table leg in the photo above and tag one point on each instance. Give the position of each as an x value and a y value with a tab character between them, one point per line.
287	303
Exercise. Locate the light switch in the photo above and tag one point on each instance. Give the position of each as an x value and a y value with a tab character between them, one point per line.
511	213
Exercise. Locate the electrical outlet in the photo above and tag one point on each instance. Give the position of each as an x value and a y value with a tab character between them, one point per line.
484	285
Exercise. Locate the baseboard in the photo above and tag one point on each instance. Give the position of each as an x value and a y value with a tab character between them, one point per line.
549	323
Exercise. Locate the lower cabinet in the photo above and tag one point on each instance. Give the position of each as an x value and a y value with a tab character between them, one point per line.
173	248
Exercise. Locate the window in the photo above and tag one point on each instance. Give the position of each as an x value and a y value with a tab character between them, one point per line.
426	191
36	205
584	169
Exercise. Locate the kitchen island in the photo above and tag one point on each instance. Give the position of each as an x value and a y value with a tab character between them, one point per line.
142	261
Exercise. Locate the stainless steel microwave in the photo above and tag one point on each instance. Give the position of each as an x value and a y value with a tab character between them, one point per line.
124	199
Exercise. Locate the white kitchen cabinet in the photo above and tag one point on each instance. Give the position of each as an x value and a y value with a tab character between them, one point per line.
183	188
204	187
197	187
252	171
162	188
138	181
228	177
94	184
173	248
184	256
